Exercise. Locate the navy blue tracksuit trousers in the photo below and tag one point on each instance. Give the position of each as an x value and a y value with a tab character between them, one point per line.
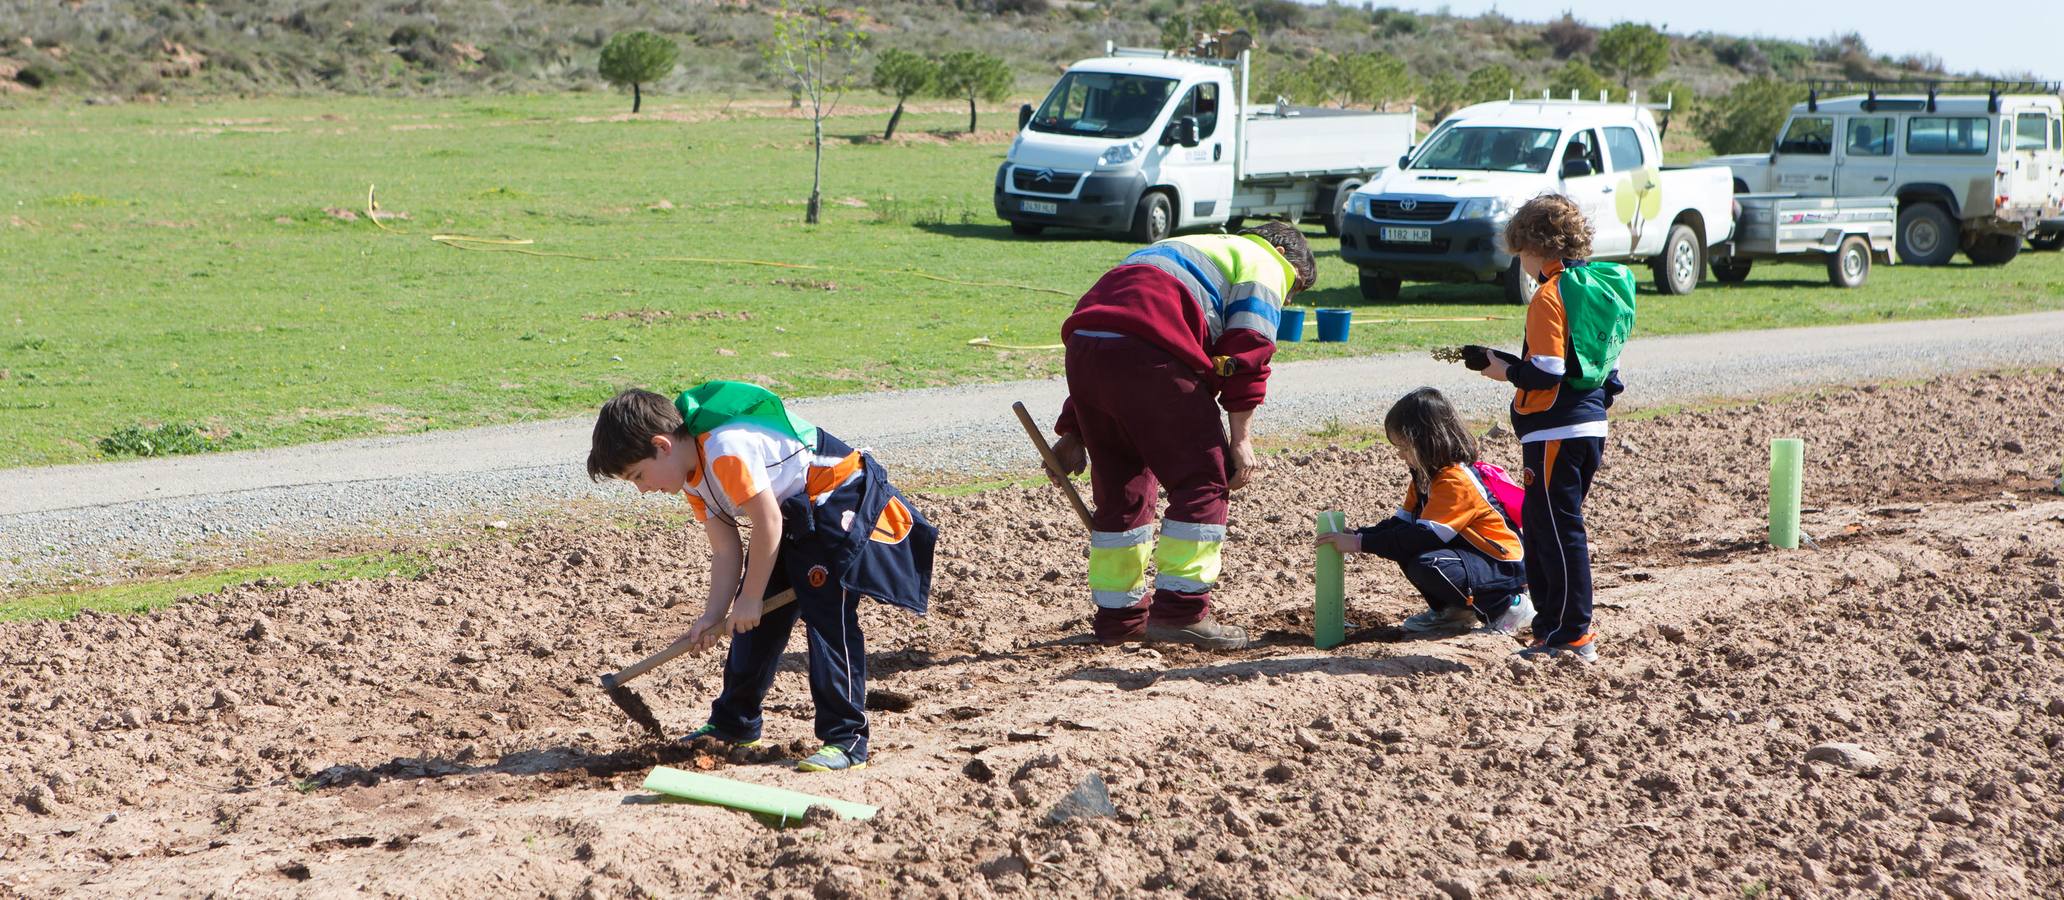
1558	555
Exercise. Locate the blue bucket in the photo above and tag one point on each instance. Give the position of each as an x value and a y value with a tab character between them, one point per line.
1291	327
1333	324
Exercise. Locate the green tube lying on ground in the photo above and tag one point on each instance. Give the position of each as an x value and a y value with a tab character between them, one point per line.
1329	617
1787	483
758	798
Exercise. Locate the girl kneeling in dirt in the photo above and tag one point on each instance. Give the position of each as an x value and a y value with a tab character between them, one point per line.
827	525
1456	542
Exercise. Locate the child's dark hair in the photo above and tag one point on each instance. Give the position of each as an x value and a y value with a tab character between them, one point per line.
1552	226
624	431
1290	242
1425	421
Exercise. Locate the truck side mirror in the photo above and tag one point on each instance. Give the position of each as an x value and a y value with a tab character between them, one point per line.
1186	131
1404	161
1024	115
1576	168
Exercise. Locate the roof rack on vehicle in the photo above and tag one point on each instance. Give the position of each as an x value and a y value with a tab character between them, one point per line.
1235	43
1993	88
1604	97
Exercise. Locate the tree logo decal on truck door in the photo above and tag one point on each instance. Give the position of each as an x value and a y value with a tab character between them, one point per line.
1639	199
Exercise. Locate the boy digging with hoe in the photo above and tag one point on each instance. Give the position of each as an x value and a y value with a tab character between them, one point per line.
826	523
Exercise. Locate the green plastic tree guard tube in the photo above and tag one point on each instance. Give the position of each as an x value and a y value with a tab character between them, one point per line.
1329	617
1787	458
759	798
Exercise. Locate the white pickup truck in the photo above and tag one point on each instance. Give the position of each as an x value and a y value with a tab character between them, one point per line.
1971	171
1440	214
1146	142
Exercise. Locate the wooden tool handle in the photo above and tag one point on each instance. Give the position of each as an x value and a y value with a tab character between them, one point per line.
681	646
1053	466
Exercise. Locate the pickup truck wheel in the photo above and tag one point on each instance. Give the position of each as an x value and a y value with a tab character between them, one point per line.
1027	229
1153	218
1335	219
1677	269
1849	266
1380	287
1517	284
1731	271
1927	235
2046	241
1994	249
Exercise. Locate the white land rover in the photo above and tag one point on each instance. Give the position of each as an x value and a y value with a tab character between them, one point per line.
1971	171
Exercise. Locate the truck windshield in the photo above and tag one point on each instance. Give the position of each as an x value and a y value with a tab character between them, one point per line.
1489	149
1103	104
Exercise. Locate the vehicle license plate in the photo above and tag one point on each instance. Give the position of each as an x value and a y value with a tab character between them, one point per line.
1041	206
1408	235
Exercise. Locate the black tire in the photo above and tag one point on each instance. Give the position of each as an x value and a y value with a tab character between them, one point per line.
1927	235
1027	229
1994	249
1234	224
1380	287
1849	266
1517	284
1153	219
2047	241
1678	267
1338	215
1731	271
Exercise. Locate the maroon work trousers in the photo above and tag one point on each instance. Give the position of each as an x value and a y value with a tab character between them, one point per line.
1147	420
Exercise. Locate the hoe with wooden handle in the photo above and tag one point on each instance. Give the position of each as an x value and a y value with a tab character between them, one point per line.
1053	466
634	705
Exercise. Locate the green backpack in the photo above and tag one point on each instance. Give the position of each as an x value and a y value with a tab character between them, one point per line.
1598	299
715	403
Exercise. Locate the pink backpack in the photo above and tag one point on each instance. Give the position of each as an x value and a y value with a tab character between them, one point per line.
1503	490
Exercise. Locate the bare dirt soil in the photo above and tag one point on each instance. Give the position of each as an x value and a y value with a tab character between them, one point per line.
444	737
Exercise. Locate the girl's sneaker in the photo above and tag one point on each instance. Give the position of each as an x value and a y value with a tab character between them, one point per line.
1457	618
830	759
1585	649
1515	618
710	731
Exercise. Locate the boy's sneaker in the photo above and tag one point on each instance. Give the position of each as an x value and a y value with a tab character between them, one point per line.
1454	618
1515	618
1585	649
830	759
710	731
1204	632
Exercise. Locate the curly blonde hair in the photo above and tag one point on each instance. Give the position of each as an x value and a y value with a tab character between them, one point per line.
1552	226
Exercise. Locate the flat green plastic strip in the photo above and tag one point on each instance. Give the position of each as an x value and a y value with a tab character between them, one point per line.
758	798
1329	617
1787	483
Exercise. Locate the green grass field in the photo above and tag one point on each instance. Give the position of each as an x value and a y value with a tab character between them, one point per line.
174	264
153	593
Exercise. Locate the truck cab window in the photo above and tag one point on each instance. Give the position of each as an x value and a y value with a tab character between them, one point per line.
1202	102
1488	149
1809	136
1102	104
1584	145
1624	146
1869	136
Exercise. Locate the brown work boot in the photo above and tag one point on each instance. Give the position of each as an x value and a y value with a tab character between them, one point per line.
1205	632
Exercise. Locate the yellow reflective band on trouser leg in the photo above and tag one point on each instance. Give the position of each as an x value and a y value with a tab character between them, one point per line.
1118	566
1187	558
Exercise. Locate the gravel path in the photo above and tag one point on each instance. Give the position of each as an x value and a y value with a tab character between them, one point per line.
87	518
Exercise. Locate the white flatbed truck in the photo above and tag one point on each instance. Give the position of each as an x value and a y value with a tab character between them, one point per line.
1148	143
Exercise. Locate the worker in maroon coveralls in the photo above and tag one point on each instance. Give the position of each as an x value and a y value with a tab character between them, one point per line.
1175	327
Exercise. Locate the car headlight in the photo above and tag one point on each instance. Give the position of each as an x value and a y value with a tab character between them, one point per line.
1358	204
1118	155
1485	208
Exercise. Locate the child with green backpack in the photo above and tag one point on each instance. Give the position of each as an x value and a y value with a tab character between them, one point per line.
826	524
1565	376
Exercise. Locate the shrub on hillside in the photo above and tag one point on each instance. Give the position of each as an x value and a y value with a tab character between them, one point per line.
638	58
1746	118
1569	37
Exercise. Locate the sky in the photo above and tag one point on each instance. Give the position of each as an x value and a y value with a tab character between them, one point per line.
2011	36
